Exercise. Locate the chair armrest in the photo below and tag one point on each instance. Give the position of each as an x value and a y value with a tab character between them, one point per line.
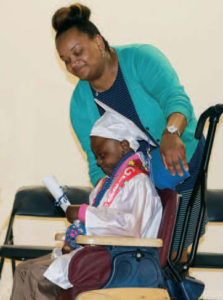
118	241
60	236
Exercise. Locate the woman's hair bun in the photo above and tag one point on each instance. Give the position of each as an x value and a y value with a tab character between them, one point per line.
69	16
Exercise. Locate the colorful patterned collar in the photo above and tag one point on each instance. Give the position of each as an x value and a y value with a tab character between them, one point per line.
131	159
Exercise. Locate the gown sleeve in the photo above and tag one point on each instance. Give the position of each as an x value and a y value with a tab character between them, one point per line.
135	212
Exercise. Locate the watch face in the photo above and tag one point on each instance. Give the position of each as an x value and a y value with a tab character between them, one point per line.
172	129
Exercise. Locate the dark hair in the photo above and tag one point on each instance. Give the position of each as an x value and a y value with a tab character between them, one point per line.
76	15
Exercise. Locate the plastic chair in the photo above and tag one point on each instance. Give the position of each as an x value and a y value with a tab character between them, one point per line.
36	202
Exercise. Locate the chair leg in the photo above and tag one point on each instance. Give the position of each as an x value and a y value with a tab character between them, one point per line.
13	266
1	265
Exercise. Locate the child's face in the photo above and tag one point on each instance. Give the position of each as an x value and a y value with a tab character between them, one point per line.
108	152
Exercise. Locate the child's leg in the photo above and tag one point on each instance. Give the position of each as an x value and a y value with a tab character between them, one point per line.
29	282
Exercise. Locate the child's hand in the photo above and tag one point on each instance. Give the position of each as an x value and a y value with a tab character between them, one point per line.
67	248
72	213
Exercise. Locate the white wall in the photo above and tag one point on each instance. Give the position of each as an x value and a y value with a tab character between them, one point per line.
35	134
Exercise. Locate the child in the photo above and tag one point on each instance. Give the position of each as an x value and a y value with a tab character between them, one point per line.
125	202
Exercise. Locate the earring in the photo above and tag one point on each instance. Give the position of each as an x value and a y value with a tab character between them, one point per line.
103	54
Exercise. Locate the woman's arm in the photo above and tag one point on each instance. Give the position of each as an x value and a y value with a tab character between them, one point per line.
162	83
171	147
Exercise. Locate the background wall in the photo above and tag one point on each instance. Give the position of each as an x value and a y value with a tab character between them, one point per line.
35	134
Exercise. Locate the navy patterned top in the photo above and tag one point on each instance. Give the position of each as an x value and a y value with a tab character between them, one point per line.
118	98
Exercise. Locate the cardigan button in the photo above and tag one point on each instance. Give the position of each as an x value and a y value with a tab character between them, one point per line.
147	128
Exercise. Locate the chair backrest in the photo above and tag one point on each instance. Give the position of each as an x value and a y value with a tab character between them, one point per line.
37	201
169	201
214	202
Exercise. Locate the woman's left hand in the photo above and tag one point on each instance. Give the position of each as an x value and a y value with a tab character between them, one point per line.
172	149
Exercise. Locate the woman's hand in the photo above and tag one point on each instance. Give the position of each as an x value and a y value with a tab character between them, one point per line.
172	149
72	213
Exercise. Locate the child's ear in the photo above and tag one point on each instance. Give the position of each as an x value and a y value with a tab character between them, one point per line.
125	147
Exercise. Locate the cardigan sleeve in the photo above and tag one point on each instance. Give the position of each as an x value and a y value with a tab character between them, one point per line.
160	80
82	120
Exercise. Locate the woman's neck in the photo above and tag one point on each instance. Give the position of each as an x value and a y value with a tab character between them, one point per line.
108	76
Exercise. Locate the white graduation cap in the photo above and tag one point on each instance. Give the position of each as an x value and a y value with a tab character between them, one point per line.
114	125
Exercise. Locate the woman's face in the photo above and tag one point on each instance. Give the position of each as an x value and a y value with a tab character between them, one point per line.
108	152
81	55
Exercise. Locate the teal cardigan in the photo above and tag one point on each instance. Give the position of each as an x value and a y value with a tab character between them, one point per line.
155	91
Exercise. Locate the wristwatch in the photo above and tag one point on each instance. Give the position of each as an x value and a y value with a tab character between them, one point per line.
172	129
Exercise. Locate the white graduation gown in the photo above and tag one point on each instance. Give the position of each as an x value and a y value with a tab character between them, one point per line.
136	211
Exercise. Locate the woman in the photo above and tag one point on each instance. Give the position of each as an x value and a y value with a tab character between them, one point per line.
148	92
